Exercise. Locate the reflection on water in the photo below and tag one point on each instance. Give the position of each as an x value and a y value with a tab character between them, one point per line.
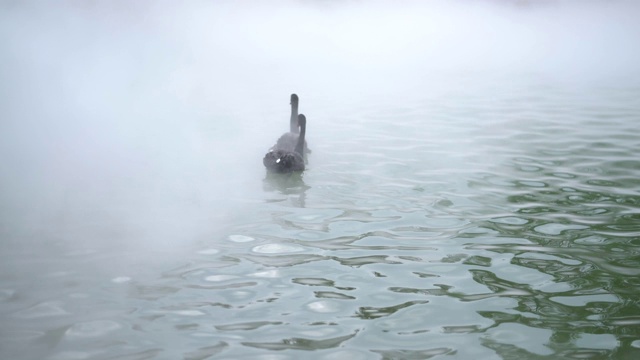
286	185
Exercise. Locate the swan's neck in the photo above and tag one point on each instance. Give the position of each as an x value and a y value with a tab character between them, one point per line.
300	145
294	118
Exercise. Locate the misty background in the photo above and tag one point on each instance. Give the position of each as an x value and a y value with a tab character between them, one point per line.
143	124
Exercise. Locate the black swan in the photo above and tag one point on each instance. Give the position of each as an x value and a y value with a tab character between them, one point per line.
289	139
285	160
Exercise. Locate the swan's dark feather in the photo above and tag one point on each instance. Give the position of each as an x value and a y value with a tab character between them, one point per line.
281	161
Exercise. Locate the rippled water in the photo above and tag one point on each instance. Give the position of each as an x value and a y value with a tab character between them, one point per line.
478	226
473	196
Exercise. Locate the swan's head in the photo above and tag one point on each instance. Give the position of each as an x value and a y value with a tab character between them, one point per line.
294	99
302	120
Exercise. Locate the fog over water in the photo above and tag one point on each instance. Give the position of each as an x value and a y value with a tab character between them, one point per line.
139	125
151	114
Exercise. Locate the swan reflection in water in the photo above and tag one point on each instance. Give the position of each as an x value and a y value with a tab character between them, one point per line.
291	185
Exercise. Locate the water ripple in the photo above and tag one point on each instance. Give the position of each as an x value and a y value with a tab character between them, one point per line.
301	343
508	225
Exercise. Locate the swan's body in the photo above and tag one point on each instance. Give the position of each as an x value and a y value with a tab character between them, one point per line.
281	161
284	159
289	140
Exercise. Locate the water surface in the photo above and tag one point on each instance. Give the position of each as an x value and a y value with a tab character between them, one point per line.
491	215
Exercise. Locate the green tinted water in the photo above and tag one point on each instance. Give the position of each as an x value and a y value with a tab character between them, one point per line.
466	225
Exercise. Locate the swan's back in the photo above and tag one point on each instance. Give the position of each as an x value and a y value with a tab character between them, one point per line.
287	142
